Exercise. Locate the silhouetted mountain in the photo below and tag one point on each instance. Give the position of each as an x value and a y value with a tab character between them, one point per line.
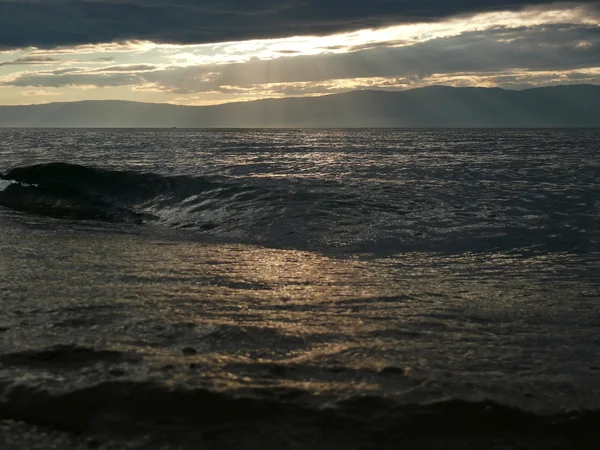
436	106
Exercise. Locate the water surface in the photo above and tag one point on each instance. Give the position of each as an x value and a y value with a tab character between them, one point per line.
439	278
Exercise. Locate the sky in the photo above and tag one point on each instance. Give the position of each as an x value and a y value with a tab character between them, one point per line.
208	52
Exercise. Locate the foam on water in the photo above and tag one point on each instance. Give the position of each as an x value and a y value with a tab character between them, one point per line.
5	183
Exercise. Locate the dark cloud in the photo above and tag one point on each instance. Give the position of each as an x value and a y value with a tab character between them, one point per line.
76	79
53	23
30	60
128	68
65	70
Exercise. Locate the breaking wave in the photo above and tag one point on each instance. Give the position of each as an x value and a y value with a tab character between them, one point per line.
311	214
242	208
78	192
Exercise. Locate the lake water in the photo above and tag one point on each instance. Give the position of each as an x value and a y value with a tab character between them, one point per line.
306	287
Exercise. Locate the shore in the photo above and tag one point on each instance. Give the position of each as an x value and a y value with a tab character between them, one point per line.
23	436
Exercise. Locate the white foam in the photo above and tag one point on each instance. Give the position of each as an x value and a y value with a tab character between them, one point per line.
4	184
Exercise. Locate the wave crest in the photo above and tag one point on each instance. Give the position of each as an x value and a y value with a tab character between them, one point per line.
314	214
255	210
77	192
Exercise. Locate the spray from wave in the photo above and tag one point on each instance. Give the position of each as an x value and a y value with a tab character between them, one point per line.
4	184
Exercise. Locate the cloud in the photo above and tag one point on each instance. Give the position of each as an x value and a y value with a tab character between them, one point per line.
31	60
50	80
507	57
55	23
541	48
127	68
38	93
493	55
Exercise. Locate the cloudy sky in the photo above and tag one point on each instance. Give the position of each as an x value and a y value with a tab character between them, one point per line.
210	51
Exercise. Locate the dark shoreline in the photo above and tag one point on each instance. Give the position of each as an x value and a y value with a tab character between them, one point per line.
164	417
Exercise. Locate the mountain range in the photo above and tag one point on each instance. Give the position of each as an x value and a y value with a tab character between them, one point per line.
435	106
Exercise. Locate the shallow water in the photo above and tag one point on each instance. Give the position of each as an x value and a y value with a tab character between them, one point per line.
370	273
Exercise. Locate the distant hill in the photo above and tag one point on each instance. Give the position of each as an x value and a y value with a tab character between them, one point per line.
436	106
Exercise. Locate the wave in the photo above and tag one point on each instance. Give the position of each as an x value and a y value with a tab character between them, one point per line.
258	210
77	192
359	216
134	406
65	356
71	191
